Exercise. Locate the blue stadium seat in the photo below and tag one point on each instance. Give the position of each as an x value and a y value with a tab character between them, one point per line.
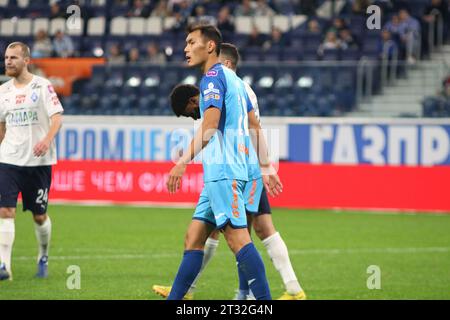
92	43
291	54
310	55
252	54
297	42
273	54
311	42
331	54
118	11
350	54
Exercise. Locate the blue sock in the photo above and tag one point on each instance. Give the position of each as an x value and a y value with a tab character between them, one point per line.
252	268
243	284
189	268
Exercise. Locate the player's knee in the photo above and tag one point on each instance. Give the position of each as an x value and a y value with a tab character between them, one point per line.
7	213
192	242
236	238
215	235
39	218
263	229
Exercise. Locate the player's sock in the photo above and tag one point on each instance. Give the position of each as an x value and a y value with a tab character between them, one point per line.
252	266
43	234
243	285
209	251
278	252
7	232
189	268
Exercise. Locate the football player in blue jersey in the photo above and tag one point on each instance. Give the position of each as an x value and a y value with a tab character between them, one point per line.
224	138
184	101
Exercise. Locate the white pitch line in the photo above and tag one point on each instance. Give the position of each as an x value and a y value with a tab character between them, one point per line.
372	250
292	252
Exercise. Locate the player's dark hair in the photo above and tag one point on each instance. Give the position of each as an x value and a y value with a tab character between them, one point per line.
180	95
230	51
209	32
25	49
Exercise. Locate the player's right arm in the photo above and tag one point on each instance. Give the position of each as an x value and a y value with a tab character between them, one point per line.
213	89
210	123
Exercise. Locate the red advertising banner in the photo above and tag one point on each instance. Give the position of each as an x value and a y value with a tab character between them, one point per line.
305	185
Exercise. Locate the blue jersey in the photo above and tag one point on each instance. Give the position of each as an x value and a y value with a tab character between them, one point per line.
226	155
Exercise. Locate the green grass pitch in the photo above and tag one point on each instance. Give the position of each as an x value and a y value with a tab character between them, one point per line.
122	251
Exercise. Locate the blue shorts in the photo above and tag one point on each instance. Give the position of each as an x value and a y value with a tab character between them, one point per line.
221	203
32	182
256	200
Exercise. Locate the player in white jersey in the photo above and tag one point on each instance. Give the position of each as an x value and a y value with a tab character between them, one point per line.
30	118
257	208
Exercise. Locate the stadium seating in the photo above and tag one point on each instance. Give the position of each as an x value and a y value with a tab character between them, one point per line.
299	85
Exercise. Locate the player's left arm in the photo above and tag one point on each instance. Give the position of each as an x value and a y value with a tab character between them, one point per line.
41	148
208	128
2	131
271	179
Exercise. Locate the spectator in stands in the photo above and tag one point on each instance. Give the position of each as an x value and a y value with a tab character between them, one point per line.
56	11
445	92
277	39
184	7
409	35
63	45
115	56
139	9
388	47
393	26
262	8
331	42
360	6
133	55
224	20
314	27
200	15
154	55
348	41
338	25
180	24
42	46
438	105
246	8
255	39
307	7
387	6
437	7
161	10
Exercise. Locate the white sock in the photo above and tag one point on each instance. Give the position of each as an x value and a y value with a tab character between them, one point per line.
209	251
278	252
7	232
43	234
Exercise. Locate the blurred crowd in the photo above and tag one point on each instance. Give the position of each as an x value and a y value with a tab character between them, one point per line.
405	34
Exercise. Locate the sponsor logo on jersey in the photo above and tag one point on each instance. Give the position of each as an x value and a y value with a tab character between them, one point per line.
55	100
212	73
22	118
35	86
34	97
211	89
212	96
50	89
20	98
